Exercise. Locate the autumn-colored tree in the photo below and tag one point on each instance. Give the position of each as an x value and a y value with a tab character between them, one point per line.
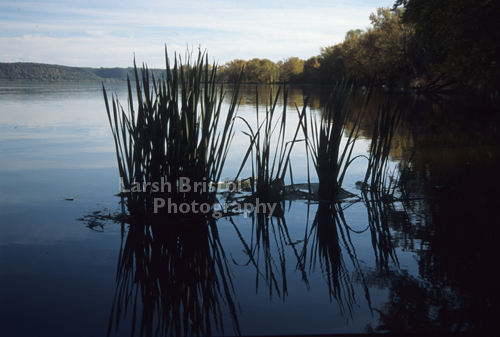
260	71
231	70
355	57
332	63
354	33
381	54
312	70
392	43
292	70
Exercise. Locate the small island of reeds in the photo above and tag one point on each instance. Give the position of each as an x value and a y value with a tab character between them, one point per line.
172	144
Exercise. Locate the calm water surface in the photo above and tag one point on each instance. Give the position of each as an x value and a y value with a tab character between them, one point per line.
426	263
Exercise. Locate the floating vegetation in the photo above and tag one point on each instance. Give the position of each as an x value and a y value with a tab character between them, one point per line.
96	220
73	197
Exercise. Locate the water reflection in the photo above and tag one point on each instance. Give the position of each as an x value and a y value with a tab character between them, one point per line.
266	251
318	96
379	215
324	248
447	219
173	277
457	252
328	231
429	261
176	299
438	216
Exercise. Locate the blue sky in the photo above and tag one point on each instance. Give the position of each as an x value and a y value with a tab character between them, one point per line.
108	33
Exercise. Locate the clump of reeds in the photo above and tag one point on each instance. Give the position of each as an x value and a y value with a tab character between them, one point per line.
270	164
324	142
172	134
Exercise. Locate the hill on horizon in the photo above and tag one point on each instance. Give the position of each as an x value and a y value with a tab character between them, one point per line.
42	72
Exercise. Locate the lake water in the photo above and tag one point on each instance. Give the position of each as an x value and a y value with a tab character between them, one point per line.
427	263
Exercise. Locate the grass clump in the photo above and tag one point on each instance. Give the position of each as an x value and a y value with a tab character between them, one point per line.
270	164
324	142
175	134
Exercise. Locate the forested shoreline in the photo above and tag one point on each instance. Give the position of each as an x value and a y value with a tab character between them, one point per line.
425	46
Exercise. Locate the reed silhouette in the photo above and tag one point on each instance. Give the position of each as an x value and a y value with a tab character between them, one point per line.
172	135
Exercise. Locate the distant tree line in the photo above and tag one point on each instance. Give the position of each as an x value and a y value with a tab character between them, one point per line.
291	70
44	72
379	54
426	45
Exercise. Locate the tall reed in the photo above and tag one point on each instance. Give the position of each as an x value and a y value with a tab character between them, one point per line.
324	142
270	164
172	135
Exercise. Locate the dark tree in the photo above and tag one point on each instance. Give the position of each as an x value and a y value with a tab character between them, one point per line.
460	38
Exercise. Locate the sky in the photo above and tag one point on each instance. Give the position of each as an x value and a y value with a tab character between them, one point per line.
110	33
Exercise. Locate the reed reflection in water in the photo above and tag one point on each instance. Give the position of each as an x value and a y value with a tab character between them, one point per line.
180	276
324	248
328	232
266	251
174	277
